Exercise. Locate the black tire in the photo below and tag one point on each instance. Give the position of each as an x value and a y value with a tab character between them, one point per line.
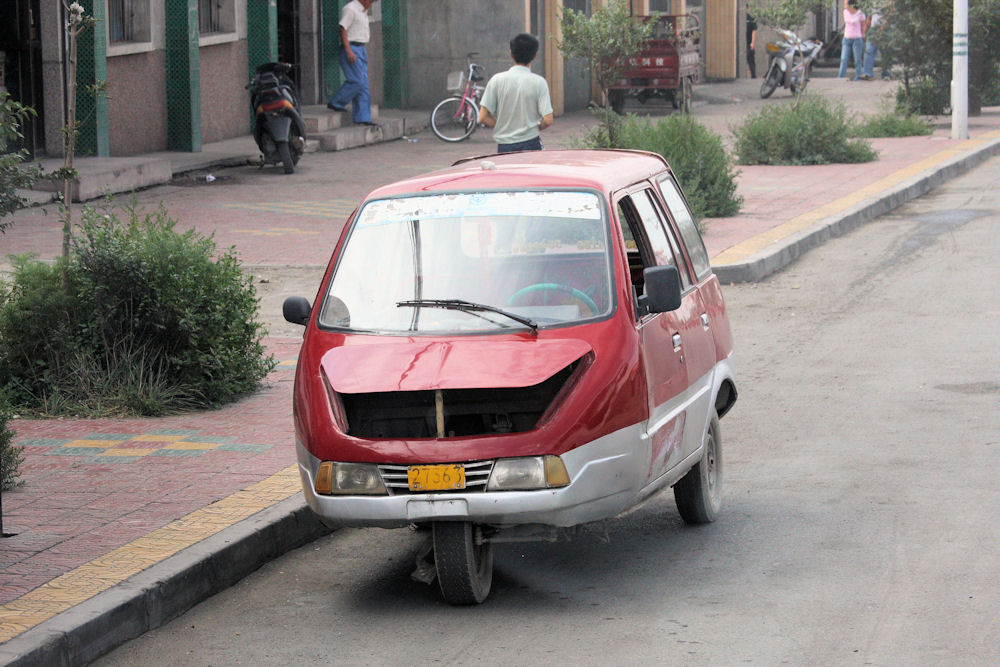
616	98
464	568
771	80
699	493
297	155
285	151
450	125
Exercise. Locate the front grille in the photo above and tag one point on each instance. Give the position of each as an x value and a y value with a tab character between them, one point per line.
477	474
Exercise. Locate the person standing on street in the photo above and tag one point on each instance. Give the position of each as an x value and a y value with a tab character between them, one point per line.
354	35
516	103
877	22
752	45
854	37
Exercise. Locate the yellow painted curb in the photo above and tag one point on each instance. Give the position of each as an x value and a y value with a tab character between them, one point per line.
741	251
104	572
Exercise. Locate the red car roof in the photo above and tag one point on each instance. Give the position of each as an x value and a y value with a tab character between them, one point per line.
603	170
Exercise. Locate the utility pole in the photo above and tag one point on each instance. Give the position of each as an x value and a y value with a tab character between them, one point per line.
960	72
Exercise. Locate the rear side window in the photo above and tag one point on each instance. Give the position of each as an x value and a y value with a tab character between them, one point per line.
686	226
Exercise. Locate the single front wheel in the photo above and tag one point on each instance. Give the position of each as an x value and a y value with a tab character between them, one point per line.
454	119
285	151
464	562
699	493
771	80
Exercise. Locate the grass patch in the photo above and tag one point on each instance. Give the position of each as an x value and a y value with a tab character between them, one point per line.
148	321
696	155
815	131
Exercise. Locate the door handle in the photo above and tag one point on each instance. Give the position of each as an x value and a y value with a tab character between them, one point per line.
704	320
677	342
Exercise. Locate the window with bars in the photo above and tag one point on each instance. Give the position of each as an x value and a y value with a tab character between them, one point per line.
128	21
209	16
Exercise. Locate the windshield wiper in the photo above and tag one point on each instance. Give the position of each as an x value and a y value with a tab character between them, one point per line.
470	307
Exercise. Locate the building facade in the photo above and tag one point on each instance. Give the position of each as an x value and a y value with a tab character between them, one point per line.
175	71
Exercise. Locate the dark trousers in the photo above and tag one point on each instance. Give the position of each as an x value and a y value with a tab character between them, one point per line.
752	62
529	145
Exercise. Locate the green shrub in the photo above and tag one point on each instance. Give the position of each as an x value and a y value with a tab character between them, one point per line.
152	322
893	124
991	91
815	131
696	155
924	96
11	457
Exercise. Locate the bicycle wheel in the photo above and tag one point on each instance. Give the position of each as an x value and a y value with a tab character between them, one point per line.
453	119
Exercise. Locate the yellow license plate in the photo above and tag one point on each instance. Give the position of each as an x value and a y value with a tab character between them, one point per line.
436	478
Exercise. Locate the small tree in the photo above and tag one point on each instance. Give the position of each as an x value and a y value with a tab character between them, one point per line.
76	23
784	14
13	174
607	40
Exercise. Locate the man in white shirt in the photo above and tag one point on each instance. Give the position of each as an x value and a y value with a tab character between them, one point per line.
354	36
516	103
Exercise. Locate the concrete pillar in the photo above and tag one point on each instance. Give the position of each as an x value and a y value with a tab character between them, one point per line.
553	56
394	49
92	68
53	76
310	51
262	32
183	76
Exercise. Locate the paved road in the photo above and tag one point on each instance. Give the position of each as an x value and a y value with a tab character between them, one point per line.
860	520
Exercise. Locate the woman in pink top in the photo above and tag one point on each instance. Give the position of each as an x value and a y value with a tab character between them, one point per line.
854	24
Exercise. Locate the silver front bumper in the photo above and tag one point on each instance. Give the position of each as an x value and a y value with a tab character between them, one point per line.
606	478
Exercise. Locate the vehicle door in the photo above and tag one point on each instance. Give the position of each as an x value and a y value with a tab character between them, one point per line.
661	335
708	308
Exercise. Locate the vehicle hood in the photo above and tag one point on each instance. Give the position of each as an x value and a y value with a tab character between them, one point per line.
459	364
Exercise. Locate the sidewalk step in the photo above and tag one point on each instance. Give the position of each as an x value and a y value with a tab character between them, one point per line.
319	119
388	128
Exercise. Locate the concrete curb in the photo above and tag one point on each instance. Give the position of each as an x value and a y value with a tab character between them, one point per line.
165	590
779	255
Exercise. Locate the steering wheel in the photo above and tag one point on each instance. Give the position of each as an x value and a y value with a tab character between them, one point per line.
555	287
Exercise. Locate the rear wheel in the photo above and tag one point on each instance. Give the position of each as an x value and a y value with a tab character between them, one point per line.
454	119
285	152
464	562
771	80
699	493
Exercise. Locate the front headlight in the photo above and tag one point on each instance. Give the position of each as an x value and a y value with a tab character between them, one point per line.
354	479
528	474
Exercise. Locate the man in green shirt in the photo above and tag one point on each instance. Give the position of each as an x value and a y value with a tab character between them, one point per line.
516	103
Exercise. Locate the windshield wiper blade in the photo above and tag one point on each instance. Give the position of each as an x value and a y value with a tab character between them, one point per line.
470	307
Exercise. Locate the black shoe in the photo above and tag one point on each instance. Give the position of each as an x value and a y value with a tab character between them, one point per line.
333	108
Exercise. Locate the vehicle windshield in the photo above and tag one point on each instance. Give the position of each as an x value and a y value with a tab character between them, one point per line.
472	262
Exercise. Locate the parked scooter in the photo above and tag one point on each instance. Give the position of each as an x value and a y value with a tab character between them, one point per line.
279	130
790	63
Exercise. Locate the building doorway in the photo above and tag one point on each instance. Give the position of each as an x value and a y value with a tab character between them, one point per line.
21	67
288	34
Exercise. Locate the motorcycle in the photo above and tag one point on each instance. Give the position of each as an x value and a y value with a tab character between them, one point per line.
790	63
279	130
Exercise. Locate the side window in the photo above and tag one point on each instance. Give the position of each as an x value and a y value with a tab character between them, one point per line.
651	224
685	225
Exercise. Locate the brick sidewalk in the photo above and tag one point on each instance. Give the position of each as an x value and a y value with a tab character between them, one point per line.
94	486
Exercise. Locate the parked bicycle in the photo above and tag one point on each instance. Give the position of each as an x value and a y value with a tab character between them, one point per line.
456	117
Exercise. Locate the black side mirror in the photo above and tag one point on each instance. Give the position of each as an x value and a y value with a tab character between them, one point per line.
663	288
296	310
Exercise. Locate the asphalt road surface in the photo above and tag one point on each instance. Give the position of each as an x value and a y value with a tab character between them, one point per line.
860	523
